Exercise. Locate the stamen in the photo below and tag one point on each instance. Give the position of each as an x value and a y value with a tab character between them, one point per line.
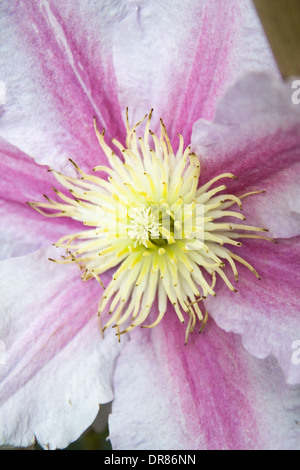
146	222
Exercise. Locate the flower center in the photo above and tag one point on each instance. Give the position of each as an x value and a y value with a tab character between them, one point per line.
168	238
143	227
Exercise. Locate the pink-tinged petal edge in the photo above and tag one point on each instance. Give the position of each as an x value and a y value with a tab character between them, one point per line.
210	394
58	369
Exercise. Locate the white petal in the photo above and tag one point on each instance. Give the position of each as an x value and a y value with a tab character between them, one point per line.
56	63
210	394
58	369
179	57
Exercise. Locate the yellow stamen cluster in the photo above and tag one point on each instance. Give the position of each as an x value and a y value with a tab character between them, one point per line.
149	219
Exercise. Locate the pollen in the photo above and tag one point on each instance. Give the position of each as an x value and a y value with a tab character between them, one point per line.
168	238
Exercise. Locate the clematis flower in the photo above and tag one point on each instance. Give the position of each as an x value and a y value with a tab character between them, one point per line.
63	65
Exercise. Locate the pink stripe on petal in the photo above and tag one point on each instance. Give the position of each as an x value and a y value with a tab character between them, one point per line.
255	133
278	209
256	136
58	368
210	394
265	312
58	70
22	228
179	57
